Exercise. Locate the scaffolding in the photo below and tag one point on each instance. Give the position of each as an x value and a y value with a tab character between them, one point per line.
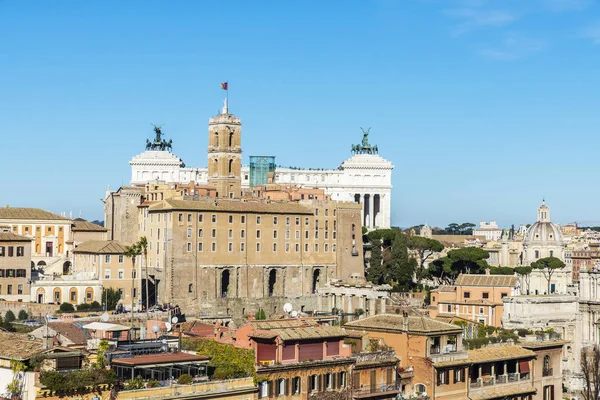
262	170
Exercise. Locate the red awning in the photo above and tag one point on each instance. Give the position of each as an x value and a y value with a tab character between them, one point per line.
523	366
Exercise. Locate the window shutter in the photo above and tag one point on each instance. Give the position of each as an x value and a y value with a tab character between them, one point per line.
270	388
334	378
309	386
321	383
447	376
288	382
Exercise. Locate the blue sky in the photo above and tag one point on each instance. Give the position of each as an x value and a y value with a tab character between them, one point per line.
484	107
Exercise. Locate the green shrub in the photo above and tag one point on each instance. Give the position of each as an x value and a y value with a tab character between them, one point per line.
67	307
9	317
152	384
185	379
94	305
135	384
83	307
23	315
260	315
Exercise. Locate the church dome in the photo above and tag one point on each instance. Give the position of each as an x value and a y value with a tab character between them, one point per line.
543	231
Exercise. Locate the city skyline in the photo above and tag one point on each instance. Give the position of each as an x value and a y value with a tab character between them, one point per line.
461	98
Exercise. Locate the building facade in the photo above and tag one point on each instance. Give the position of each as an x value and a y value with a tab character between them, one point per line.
363	178
50	234
490	230
15	267
477	298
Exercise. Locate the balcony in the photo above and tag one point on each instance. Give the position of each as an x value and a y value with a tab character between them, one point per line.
369	391
501	385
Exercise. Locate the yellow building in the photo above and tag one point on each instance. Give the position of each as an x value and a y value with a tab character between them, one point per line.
107	262
15	267
50	233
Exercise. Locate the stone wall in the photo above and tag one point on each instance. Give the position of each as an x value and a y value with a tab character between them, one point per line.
33	309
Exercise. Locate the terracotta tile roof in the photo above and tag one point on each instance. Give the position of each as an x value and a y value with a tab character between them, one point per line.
395	322
81	225
14	345
260	334
261	207
320	332
165	358
100	247
486	280
11	237
444	288
28	213
544	343
501	392
499	353
280	324
70	331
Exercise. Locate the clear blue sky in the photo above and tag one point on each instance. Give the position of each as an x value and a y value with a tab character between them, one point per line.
484	107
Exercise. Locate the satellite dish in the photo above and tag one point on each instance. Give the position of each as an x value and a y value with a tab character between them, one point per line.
174	319
168	326
155	328
294	314
104	317
287	307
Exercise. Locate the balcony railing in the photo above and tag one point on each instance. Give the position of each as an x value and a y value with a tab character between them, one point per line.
547	372
366	390
499	380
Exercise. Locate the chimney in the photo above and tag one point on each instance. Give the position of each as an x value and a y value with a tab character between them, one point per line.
405	320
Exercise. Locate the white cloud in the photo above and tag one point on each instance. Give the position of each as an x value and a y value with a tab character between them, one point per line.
592	32
512	47
474	18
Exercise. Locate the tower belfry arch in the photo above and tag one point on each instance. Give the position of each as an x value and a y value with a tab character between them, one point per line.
225	154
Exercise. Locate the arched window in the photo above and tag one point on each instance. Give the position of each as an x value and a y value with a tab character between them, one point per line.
216	139
546	363
230	166
230	139
537	254
190	288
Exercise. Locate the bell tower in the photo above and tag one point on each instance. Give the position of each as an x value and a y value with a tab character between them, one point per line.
225	154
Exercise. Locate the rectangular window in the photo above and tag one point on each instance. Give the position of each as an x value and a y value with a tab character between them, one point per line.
287	247
11	251
467	295
213	233
179	218
287	234
9	289
107	258
342	379
200	233
107	274
274	246
189	232
200	217
189	218
306	221
121	258
316	247
230	247
503	295
305	234
329	381
485	295
287	220
326	249
458	375
2	251
231	219
297	220
258	220
189	246
275	220
121	274
275	234
296	385
242	233
230	234
297	247
20	289
316	234
199	246
449	308
214	218
257	246
258	233
333	247
297	235
20	251
242	246
306	247
214	246
243	219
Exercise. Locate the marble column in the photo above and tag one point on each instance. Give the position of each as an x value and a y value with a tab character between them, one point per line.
383	299
350	305
361	200
371	211
372	307
361	302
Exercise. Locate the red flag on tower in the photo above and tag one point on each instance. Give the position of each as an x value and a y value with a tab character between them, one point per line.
224	85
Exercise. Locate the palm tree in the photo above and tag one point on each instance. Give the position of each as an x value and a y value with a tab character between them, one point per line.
132	252
143	247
